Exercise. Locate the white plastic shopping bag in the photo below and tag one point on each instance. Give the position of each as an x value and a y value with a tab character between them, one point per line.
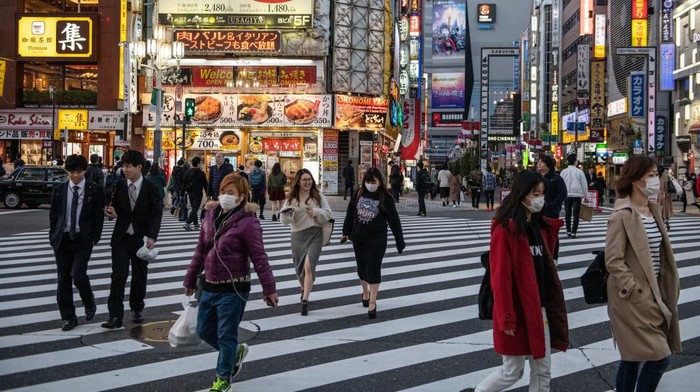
184	331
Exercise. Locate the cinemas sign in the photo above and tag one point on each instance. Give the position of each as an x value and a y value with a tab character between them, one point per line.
229	40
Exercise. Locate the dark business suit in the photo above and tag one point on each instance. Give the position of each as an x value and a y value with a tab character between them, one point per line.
145	218
72	255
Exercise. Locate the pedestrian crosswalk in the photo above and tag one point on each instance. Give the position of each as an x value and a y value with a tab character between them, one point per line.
427	336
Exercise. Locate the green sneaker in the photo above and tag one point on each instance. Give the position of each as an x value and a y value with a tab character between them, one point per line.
240	356
220	385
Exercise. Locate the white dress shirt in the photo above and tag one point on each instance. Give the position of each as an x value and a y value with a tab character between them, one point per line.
69	202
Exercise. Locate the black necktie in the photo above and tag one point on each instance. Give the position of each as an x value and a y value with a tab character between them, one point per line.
74	212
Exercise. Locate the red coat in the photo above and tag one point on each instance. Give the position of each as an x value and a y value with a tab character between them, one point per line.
516	295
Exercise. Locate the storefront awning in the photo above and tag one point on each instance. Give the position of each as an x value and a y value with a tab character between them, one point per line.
694	128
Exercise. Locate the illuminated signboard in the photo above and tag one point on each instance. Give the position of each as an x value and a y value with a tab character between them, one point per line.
487	13
230	40
639	32
668	64
74	119
233	13
586	21
414	26
599	42
639	9
47	38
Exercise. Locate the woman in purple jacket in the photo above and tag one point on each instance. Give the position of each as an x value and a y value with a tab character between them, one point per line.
231	235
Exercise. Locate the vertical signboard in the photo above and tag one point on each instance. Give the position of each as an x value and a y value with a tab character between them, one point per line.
660	134
330	162
640	25
639	9
667	21
599	38
636	106
410	135
668	57
582	72
651	99
586	21
597	121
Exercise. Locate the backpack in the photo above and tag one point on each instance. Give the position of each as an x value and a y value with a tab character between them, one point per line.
256	178
425	178
594	280
485	297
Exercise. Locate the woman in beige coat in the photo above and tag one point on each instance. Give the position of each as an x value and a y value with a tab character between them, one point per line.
643	284
665	199
455	187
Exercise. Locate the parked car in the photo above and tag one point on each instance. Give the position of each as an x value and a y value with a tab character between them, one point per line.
31	185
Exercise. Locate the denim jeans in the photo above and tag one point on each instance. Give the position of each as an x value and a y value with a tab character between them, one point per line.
646	381
217	324
572	205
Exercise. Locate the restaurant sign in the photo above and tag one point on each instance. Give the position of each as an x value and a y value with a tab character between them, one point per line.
226	110
229	40
47	38
105	120
18	119
205	139
35	135
75	119
248	13
360	112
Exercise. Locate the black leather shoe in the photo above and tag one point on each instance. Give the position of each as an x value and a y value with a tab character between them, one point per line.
304	308
136	317
90	310
112	323
69	324
372	314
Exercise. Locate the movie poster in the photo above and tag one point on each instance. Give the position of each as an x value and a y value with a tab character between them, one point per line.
448	90
449	29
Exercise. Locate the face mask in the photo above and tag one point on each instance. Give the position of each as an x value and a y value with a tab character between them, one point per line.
228	201
653	186
536	204
371	187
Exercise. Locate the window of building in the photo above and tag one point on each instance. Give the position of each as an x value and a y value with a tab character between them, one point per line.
52	6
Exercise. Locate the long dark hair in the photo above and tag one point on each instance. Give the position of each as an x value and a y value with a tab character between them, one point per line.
313	192
371	174
276	169
512	208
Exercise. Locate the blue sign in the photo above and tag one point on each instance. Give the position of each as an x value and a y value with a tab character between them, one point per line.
660	133
581	126
516	68
637	99
668	63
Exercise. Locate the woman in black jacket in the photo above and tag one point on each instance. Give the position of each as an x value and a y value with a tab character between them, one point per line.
369	213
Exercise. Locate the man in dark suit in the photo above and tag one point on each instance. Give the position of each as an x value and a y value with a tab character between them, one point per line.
349	176
216	174
75	225
138	208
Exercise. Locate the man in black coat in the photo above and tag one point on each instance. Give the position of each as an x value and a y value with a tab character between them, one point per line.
138	208
194	183
554	187
176	185
216	174
395	180
75	225
349	176
422	186
94	171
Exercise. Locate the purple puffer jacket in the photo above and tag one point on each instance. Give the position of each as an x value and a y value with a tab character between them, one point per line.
238	241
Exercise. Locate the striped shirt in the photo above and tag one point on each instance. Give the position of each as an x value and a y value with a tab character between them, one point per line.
654	236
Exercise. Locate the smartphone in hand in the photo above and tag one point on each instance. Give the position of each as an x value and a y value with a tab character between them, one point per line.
287	210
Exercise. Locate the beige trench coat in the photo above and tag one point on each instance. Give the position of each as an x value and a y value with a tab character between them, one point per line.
643	310
665	197
455	187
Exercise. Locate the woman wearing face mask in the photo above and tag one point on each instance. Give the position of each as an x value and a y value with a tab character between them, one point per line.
230	239
643	285
306	210
369	213
529	314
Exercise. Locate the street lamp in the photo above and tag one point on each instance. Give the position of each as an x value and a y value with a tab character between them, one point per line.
159	50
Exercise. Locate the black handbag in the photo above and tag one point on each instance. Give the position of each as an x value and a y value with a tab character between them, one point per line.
595	280
485	297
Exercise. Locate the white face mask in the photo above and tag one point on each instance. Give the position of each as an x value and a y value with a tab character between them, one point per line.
536	204
653	186
371	187
228	201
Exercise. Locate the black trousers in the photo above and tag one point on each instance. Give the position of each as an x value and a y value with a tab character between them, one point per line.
124	254
421	202
71	265
476	197
572	205
195	202
489	194
350	188
395	192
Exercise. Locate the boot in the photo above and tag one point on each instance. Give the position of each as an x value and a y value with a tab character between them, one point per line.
274	217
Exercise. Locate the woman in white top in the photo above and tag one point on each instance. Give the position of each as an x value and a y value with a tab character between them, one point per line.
306	210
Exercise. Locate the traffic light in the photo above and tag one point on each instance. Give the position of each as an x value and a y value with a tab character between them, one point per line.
189	108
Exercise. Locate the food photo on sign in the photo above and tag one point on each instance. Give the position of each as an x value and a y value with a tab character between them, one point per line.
360	112
301	111
207	109
255	109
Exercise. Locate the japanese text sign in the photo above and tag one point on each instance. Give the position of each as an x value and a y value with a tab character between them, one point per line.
250	13
73	119
597	117
637	87
47	38
639	9
106	120
640	32
19	119
667	21
229	40
360	112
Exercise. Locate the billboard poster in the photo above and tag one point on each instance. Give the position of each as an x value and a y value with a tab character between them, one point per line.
668	63
448	90
249	13
355	112
449	29
329	182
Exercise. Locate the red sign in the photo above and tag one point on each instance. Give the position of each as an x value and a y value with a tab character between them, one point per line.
410	135
295	75
639	9
229	40
414	26
265	76
286	144
212	76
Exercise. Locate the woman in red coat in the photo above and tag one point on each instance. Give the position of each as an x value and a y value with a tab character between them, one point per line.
529	313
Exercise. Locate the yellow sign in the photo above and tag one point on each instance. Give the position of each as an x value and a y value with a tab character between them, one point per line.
555	123
2	76
639	32
50	37
570	137
122	38
75	119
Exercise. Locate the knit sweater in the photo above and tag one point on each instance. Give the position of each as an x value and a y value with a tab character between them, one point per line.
300	220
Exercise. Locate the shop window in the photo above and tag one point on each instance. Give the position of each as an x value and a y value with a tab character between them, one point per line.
51	6
32	174
74	84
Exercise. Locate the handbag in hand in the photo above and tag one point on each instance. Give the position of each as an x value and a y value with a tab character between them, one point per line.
327	231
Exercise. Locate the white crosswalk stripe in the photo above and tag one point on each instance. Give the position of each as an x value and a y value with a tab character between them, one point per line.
427	336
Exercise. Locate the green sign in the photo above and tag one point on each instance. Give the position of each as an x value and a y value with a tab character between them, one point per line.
189	108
